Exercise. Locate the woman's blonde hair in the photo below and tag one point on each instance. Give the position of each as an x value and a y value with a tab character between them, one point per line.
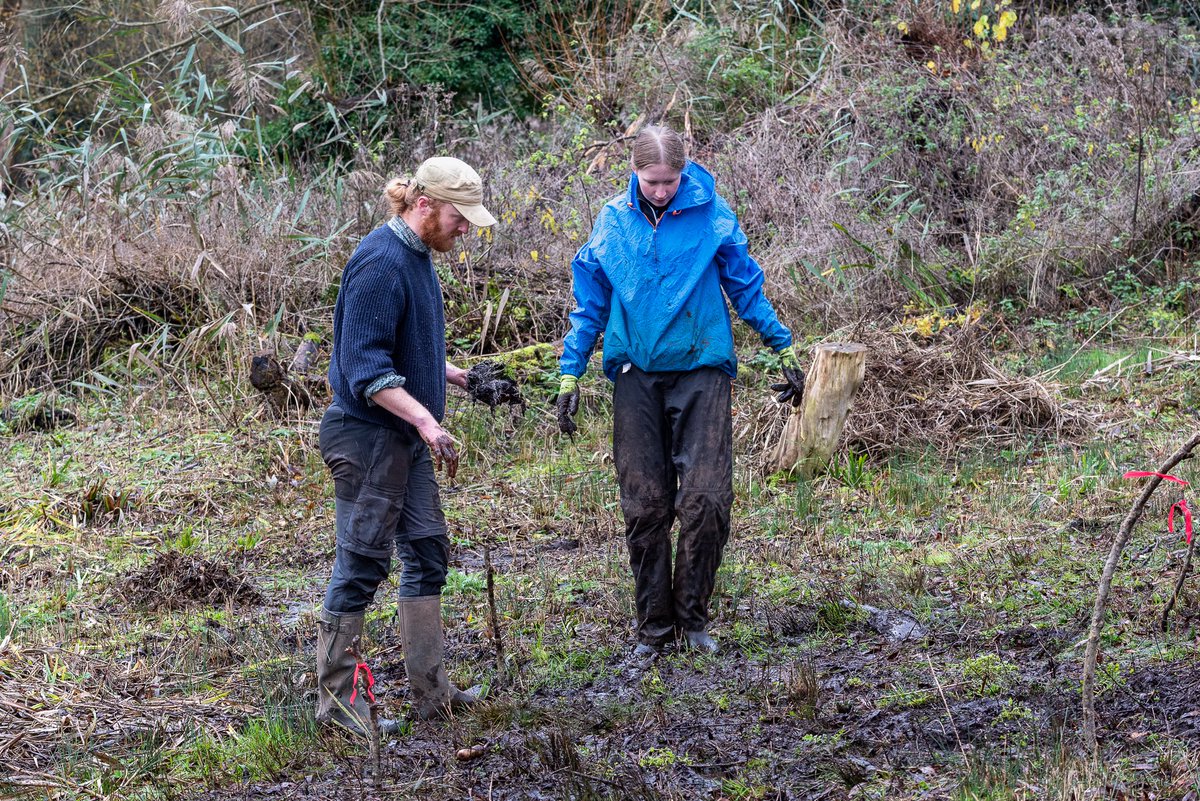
657	144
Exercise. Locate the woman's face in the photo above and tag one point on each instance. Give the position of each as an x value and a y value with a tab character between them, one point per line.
659	183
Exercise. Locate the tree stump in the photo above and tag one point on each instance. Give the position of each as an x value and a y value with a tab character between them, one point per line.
811	433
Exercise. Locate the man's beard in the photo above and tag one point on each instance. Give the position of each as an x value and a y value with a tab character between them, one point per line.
428	230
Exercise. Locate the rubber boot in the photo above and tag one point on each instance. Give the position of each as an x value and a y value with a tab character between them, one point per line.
421	633
700	641
336	676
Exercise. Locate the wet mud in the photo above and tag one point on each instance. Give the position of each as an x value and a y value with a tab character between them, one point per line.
801	715
488	384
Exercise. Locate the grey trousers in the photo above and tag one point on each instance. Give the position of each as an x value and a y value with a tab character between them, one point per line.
386	500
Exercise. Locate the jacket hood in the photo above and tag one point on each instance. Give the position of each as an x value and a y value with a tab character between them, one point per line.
696	187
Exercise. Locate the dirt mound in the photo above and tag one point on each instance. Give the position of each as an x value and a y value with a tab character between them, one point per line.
175	580
945	393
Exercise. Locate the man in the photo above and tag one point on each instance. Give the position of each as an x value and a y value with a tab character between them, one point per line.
383	440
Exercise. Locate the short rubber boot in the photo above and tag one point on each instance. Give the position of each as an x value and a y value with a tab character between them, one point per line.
421	633
336	676
700	641
644	655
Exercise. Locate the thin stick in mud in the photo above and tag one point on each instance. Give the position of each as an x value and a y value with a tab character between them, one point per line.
493	618
1110	568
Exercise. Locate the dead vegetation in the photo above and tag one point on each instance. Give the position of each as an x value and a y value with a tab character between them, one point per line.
53	338
948	395
175	580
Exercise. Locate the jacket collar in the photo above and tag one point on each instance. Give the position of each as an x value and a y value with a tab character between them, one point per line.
696	187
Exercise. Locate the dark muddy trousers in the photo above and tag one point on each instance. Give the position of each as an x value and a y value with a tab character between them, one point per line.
673	448
386	499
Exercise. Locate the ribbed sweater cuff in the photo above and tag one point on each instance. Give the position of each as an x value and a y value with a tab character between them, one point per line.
384	382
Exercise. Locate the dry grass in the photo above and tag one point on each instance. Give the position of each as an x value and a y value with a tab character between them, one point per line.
948	395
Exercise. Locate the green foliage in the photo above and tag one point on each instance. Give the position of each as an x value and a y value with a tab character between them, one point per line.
988	674
460	583
259	749
851	470
383	71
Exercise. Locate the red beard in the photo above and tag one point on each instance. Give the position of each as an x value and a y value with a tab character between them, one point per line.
431	235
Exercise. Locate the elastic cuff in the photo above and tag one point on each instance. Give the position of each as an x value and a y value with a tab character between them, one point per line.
788	358
389	381
567	384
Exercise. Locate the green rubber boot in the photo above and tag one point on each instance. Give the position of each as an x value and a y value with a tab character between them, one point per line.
335	676
421	633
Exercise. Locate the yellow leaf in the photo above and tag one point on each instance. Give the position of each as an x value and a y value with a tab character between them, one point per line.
975	4
1145	66
932	67
955	6
533	254
1008	19
902	27
981	27
462	256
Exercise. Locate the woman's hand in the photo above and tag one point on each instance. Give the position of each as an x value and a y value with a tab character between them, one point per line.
567	403
791	389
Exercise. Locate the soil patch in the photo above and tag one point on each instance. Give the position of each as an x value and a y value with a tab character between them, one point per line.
175	580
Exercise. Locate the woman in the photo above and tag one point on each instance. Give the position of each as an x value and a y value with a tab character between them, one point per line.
654	277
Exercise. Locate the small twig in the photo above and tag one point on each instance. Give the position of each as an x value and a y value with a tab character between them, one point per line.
1183	573
373	706
946	706
1110	568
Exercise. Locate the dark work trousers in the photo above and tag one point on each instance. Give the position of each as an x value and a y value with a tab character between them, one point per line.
673	448
386	499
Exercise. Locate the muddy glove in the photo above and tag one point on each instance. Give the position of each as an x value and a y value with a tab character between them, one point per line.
567	403
791	389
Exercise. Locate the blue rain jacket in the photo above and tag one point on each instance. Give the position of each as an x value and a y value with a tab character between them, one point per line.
656	293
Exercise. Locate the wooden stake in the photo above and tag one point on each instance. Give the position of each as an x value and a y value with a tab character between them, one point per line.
811	435
493	616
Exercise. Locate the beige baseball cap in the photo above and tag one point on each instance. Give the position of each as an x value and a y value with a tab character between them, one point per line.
452	180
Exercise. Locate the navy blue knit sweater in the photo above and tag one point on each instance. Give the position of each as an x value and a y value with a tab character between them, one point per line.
388	319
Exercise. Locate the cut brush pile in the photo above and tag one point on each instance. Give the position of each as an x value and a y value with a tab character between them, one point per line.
946	394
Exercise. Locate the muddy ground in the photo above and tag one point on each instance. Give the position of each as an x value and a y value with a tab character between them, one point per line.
829	703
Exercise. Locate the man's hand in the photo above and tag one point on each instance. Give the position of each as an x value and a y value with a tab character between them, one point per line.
791	389
456	376
441	447
567	403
